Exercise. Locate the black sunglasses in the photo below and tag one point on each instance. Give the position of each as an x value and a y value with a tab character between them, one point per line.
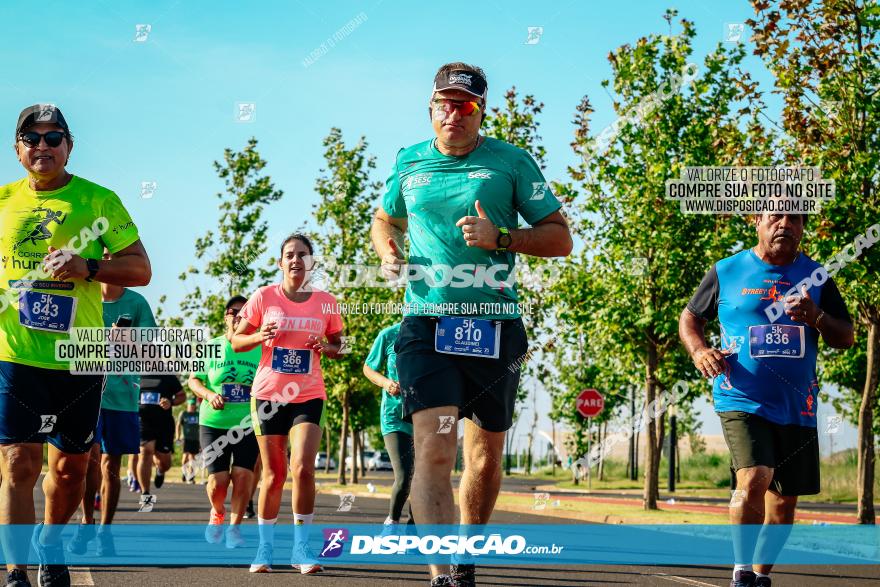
32	139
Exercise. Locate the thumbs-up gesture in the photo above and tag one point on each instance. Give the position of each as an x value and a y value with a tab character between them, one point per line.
802	308
392	261
479	231
62	264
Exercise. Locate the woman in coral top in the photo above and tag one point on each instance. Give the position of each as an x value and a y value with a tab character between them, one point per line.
295	325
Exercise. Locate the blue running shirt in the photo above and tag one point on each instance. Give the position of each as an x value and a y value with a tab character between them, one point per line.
772	367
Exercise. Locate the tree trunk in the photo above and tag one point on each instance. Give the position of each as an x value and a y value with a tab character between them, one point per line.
355	451
532	431
866	427
636	461
652	460
343	440
633	439
327	449
361	437
603	436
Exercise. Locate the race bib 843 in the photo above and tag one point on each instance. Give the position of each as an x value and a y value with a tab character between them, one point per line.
43	311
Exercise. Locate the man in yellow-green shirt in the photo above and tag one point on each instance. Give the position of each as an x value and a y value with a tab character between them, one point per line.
53	229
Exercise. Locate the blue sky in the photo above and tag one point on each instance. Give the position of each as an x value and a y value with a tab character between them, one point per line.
164	109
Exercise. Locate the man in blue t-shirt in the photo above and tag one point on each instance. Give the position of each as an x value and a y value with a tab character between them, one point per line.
773	303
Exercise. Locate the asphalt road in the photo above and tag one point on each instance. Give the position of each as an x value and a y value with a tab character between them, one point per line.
179	503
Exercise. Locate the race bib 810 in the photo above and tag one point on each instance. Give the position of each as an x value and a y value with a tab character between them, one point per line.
470	337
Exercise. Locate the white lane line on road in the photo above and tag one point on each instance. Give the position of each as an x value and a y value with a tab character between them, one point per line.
81	576
683	580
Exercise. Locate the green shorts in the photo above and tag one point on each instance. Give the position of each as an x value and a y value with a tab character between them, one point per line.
791	451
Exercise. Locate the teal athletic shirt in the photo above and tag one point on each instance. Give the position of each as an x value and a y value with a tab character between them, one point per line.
433	191
383	359
122	392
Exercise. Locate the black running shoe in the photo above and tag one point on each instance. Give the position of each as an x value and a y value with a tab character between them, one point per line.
762	582
249	512
743	579
464	575
159	479
442	581
17	578
53	576
52	571
85	533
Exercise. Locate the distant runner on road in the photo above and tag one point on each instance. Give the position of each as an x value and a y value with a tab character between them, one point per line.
225	389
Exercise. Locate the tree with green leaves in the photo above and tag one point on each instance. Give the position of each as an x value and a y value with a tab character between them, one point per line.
343	216
517	123
826	62
230	252
645	256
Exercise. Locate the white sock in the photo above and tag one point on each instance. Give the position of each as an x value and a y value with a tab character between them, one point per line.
389	521
740	568
762	575
301	523
267	530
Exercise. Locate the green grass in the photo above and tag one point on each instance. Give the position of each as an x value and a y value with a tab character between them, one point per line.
708	475
705	475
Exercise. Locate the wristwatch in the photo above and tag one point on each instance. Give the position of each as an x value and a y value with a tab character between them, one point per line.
504	239
92	266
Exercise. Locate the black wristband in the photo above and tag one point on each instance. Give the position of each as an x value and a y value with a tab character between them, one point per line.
92	266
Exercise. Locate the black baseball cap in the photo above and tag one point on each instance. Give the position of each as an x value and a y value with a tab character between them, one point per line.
460	79
40	113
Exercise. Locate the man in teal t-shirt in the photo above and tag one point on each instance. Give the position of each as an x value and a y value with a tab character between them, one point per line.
118	430
458	197
395	431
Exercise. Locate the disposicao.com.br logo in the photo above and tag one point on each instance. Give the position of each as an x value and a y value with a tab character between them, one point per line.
334	539
431	544
343	543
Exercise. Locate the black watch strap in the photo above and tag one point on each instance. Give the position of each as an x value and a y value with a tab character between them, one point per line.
92	266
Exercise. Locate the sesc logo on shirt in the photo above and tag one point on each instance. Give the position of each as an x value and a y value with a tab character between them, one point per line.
482	174
419	179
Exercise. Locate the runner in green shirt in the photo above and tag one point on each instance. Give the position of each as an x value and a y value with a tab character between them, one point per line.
53	229
225	389
187	432
396	433
458	197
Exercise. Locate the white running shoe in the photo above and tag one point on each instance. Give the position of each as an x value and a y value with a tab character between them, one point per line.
263	562
307	563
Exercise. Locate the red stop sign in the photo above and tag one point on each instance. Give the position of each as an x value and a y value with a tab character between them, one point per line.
590	403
